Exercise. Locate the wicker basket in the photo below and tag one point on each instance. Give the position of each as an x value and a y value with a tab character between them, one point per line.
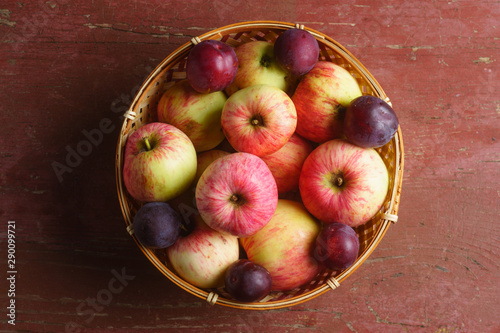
171	69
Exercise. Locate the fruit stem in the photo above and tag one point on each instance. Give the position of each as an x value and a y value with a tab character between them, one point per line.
146	142
237	200
257	120
338	181
265	60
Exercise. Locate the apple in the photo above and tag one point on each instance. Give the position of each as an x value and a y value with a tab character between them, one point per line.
297	51
257	65
237	194
258	119
286	163
159	162
205	159
285	246
320	100
341	182
197	115
211	66
185	203
202	257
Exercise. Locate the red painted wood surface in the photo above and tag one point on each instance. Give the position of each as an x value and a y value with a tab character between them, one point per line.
69	69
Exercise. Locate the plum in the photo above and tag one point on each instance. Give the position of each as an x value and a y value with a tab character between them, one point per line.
157	225
296	51
247	281
211	66
370	122
337	246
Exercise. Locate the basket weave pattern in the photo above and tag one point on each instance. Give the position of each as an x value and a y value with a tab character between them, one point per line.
143	110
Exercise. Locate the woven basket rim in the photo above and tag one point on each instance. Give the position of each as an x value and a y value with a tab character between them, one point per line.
386	221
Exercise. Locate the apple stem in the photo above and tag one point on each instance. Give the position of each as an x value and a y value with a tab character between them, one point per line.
148	145
339	181
237	200
257	120
266	60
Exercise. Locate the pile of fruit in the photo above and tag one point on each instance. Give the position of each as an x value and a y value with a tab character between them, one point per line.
260	165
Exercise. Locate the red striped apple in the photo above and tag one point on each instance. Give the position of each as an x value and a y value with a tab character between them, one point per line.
286	163
159	162
185	204
197	115
285	246
320	100
341	182
237	194
259	119
202	257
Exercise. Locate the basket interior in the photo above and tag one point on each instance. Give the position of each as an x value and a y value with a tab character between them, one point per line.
144	110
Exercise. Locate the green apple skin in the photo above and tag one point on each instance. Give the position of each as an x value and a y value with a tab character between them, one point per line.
285	246
202	257
164	170
185	204
320	100
197	115
257	65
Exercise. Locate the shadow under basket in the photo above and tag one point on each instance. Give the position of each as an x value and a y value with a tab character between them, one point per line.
143	110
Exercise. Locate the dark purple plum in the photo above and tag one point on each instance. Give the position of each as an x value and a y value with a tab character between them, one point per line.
337	246
211	66
296	51
247	281
157	225
370	122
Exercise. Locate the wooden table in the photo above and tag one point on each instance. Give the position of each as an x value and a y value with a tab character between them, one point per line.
68	71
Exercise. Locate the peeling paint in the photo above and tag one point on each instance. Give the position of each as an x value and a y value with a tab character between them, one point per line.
413	48
97	25
5	12
4	15
342	23
107	26
484	60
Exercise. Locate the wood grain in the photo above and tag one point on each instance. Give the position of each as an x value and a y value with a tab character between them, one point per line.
67	68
